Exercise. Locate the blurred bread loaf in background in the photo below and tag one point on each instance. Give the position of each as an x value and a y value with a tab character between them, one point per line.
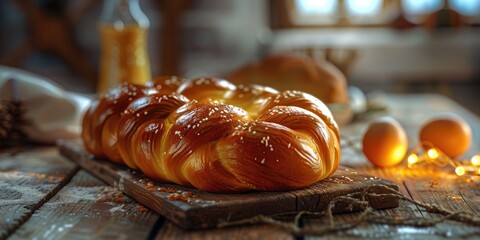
290	72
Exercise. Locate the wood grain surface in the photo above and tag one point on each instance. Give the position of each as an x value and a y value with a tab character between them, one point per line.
28	180
196	209
85	207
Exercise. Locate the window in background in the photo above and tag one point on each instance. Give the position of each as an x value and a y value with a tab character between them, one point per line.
363	7
417	10
315	11
317	7
421	7
364	11
466	7
348	13
335	12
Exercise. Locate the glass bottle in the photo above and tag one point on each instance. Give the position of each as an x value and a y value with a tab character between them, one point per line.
123	31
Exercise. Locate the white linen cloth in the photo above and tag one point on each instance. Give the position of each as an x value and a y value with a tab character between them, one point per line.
52	113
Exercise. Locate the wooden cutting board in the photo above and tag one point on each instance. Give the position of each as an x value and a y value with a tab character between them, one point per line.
196	209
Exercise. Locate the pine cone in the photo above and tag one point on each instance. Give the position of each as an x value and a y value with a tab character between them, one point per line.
12	121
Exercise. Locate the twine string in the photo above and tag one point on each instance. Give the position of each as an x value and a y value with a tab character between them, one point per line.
357	200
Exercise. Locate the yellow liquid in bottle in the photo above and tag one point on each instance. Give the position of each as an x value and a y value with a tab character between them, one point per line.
124	56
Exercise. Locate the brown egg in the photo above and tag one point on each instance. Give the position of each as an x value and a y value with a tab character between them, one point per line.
385	142
449	133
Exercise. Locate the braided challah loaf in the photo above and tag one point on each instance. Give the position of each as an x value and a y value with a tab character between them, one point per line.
215	136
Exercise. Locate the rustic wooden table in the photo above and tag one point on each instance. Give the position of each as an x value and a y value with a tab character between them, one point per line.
45	196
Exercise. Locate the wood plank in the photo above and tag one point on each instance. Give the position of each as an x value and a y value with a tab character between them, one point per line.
445	192
172	231
425	185
27	180
343	182
393	174
471	195
196	209
438	186
372	231
442	193
85	207
377	231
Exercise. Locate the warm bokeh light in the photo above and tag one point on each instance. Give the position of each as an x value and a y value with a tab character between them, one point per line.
433	156
432	153
412	158
475	160
460	170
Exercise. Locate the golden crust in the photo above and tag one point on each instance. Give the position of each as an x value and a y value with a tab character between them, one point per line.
216	136
100	121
